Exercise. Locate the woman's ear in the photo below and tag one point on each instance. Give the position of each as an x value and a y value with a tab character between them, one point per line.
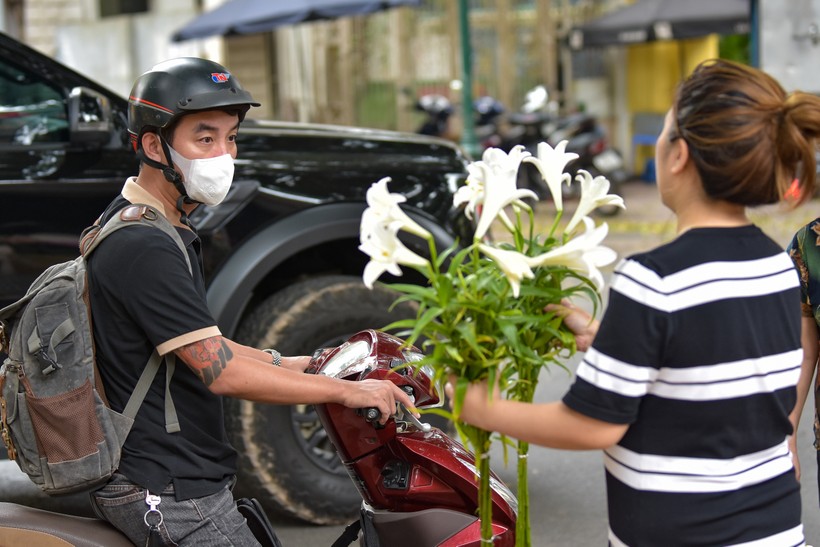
679	155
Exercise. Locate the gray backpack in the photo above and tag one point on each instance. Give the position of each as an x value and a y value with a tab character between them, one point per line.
54	417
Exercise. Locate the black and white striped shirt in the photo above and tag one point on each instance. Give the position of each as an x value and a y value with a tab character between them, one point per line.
699	351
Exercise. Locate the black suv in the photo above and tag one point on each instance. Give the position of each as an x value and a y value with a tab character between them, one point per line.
281	253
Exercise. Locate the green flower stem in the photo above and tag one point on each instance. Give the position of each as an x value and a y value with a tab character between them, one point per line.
528	376
531	236
522	524
485	501
557	220
517	234
433	270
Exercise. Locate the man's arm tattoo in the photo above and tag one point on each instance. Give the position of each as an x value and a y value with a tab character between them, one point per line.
209	358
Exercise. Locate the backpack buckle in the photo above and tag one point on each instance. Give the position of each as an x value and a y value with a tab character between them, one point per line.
47	364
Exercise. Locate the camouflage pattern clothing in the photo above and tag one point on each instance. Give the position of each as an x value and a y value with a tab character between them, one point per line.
804	250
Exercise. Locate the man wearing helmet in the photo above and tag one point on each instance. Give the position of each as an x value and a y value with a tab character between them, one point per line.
183	119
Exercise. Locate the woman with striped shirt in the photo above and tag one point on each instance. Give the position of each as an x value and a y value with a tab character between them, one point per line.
688	381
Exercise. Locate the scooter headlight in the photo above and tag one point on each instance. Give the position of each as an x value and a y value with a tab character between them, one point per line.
350	359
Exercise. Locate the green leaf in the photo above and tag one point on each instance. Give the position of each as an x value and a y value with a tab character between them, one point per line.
438	411
459	392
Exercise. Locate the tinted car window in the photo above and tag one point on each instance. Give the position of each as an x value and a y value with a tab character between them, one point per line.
31	110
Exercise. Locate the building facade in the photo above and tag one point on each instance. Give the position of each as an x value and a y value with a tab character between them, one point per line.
369	70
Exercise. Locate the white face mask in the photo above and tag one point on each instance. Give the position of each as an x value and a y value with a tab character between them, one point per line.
205	180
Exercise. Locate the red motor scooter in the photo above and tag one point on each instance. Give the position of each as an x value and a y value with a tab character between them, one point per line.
418	486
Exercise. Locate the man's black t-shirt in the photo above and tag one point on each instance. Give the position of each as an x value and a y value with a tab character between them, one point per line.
144	297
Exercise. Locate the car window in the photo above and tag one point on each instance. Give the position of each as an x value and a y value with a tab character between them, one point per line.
31	110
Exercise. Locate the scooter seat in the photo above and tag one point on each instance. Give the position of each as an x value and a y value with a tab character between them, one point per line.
528	118
21	525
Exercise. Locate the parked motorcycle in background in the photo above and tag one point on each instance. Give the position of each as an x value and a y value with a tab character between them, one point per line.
489	124
533	122
437	110
586	137
539	121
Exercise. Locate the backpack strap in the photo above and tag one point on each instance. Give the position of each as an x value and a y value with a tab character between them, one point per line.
171	419
141	215
144	384
138	214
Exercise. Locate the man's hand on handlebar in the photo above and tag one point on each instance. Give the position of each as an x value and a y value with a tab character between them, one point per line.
299	363
380	394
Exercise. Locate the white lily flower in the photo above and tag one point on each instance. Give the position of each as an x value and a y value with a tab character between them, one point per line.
385	206
593	195
379	240
514	265
473	192
551	163
582	253
500	173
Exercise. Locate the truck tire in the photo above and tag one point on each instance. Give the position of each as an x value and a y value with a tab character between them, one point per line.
286	460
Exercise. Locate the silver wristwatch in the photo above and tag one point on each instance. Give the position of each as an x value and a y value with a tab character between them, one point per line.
277	357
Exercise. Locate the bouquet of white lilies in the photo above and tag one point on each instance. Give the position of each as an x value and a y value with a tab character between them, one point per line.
482	314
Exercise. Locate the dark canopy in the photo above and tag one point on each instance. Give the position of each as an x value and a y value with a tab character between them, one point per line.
252	16
648	20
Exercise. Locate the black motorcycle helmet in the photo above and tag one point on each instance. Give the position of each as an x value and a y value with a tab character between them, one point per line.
181	86
177	87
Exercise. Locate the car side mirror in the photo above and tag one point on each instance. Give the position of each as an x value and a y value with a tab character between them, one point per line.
89	114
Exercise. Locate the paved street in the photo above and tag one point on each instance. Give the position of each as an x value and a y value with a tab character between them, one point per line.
567	488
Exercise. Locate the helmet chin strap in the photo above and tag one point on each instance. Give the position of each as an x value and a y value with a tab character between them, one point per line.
183	216
172	176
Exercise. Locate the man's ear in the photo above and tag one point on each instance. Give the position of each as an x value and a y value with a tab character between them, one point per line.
152	147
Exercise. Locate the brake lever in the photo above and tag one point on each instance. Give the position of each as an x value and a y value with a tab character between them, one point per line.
405	414
372	415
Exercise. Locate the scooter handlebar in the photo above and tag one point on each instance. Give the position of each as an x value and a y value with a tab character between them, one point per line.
372	415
